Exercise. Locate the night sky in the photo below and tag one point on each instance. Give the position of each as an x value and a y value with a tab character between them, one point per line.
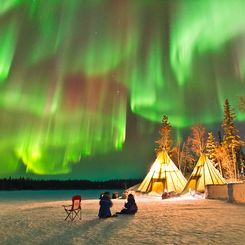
84	83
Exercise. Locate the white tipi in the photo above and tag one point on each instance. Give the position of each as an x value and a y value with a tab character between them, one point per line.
163	176
203	174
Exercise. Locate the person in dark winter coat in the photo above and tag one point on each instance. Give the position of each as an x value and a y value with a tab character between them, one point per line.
105	205
130	207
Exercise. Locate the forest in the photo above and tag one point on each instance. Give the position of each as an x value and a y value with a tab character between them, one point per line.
32	184
225	152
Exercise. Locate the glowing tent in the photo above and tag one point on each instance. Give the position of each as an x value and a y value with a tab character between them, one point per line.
163	176
203	174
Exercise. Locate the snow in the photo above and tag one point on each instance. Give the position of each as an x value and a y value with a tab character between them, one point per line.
184	220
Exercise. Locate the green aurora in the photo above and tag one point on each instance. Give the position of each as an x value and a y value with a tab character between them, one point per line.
73	73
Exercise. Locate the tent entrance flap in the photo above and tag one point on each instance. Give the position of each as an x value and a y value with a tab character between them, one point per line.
158	186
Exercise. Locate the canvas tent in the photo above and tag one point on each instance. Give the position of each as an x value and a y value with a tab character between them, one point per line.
203	174
163	176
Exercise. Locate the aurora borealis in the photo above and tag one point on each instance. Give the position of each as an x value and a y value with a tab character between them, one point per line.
75	75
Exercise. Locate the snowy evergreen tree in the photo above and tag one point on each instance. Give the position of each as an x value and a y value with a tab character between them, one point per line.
211	146
231	139
165	141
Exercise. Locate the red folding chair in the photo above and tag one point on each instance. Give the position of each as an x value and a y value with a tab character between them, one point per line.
73	210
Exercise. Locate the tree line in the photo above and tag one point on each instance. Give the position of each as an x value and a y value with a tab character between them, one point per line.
225	152
34	184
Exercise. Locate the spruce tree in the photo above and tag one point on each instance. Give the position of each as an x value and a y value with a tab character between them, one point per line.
165	141
231	139
210	148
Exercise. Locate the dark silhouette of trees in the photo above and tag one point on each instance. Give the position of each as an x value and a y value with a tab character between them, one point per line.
189	159
33	184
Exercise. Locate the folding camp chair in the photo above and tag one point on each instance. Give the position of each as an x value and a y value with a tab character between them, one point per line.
75	209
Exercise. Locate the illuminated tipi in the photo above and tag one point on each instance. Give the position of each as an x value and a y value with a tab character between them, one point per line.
163	176
203	174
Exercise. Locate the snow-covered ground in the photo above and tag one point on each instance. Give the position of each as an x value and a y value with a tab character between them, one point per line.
185	220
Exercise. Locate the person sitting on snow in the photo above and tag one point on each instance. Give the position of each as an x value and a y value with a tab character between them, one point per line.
130	207
105	205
